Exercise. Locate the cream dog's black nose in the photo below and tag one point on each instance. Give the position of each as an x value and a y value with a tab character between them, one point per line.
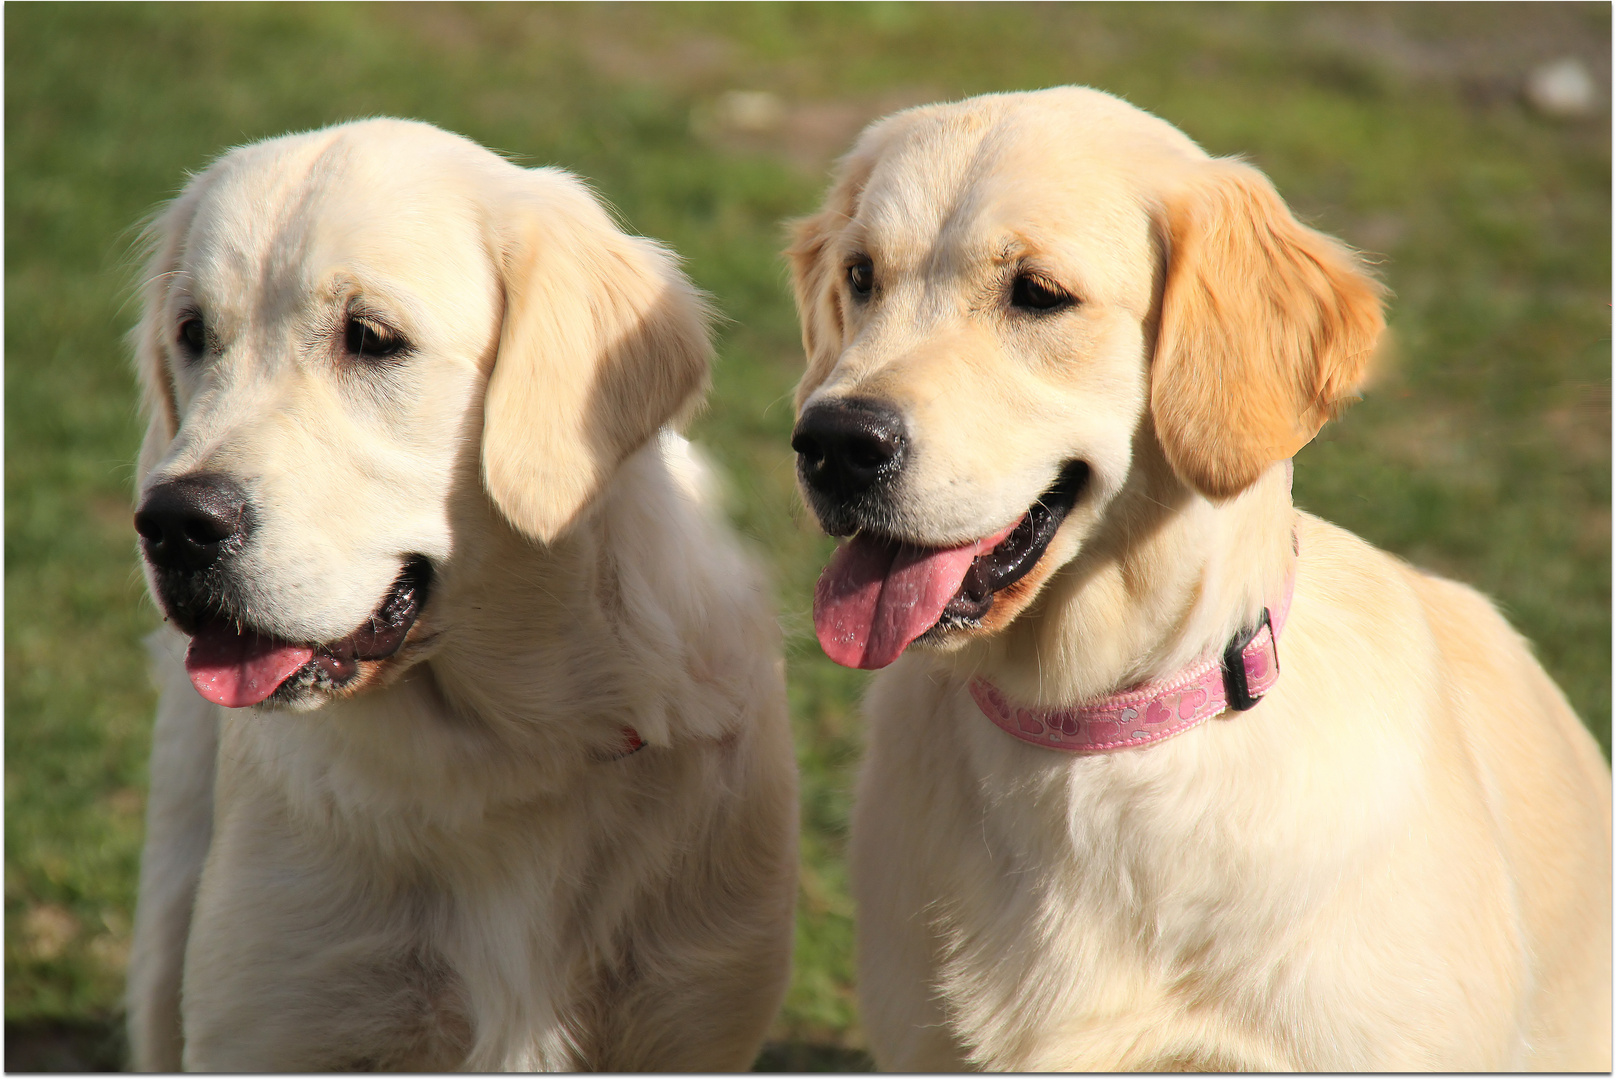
845	447
186	524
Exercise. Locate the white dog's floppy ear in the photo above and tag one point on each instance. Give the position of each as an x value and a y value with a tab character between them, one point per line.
152	336
1267	328
604	340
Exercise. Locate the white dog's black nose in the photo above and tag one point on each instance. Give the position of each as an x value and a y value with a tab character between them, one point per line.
186	524
846	447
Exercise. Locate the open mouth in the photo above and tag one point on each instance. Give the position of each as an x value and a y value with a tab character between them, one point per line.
236	666
879	594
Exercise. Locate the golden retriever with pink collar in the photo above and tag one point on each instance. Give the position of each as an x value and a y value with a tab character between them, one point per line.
1162	773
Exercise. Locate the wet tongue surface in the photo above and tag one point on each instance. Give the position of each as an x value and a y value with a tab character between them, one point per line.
878	595
233	669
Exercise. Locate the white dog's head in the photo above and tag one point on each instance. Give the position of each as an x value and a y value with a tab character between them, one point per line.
1004	303
354	339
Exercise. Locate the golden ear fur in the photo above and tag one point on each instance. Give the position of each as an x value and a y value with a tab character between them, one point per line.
604	340
815	271
1267	328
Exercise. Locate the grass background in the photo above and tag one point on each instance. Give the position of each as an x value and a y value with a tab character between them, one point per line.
1484	455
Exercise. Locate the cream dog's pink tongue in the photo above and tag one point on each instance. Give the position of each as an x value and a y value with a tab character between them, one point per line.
877	596
233	669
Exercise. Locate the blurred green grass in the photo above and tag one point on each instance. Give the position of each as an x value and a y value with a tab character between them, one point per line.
1483	454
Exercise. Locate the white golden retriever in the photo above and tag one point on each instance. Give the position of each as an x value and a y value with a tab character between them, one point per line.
1058	359
477	756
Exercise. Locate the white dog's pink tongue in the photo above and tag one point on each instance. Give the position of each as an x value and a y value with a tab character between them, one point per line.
876	596
233	669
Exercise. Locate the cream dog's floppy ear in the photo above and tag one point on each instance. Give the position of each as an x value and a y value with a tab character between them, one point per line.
1266	331
152	337
604	340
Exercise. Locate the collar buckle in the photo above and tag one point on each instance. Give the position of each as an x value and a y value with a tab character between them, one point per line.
1236	687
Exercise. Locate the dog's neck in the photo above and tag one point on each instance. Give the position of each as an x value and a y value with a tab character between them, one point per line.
521	629
562	647
1166	579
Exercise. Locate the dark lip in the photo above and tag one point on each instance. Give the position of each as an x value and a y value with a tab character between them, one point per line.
1016	555
336	663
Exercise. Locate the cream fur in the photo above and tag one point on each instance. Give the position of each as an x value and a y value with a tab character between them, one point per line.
1399	860
444	865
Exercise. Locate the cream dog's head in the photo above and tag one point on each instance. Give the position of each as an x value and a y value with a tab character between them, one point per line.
358	345
1002	301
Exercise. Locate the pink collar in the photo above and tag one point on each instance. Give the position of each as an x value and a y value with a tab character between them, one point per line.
1235	680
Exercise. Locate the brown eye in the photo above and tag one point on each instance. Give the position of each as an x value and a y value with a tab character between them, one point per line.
1035	294
861	277
368	339
193	336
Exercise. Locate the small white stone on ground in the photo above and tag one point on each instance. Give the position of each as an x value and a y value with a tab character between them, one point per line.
1562	88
